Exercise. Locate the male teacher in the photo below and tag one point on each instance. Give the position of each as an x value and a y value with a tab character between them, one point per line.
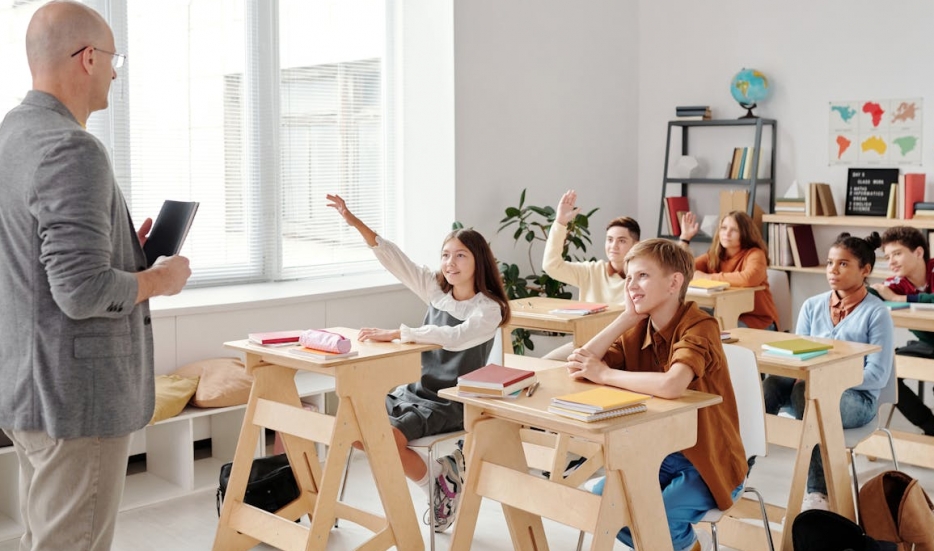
76	358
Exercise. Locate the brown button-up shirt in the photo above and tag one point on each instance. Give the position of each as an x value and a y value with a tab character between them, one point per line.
693	338
841	306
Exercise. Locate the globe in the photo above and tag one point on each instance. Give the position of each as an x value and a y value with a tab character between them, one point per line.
749	87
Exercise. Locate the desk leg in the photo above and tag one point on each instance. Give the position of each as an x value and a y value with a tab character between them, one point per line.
728	309
498	442
269	382
370	410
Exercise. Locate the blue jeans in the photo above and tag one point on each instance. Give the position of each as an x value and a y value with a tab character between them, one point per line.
857	408
686	496
771	327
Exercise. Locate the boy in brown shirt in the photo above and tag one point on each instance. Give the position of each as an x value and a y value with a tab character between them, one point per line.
662	346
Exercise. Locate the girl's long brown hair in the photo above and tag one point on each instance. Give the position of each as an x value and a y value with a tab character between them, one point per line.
486	277
749	238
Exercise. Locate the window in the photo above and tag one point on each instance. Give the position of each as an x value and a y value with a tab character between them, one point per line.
257	109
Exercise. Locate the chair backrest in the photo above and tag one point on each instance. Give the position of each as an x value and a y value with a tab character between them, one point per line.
747	387
781	294
889	393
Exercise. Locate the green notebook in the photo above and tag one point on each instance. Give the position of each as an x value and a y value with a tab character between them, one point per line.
795	346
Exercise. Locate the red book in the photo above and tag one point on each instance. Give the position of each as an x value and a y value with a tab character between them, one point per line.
914	193
803	247
677	206
276	337
494	376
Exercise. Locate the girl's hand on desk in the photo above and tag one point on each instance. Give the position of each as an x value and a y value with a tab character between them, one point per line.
378	335
583	364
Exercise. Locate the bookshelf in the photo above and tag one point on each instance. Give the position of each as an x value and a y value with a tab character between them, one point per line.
751	184
869	222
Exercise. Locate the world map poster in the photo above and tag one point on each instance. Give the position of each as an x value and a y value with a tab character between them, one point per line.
881	132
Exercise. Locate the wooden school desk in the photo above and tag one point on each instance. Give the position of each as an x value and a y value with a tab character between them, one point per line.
912	448
362	383
827	377
630	448
533	313
727	304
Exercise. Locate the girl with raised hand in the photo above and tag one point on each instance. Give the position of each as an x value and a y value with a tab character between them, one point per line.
466	306
739	256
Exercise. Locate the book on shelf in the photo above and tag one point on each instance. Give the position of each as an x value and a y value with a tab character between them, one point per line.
736	162
170	229
272	338
797	357
683	111
598	399
677	206
803	247
868	191
315	354
692	118
599	416
495	377
914	193
579	308
708	285
799	345
895	305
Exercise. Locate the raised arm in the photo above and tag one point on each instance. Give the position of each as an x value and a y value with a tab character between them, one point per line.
689	228
553	262
340	206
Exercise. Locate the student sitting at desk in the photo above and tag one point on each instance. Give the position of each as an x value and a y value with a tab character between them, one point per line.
466	305
913	281
848	312
663	346
601	281
738	256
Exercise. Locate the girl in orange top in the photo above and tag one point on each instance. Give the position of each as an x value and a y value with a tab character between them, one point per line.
739	256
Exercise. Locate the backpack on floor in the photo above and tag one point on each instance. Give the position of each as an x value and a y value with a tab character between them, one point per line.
271	485
826	531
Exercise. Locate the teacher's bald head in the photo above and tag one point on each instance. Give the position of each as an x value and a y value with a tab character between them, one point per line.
57	30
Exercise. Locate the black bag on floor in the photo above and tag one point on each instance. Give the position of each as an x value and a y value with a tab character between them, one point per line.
817	530
918	349
271	485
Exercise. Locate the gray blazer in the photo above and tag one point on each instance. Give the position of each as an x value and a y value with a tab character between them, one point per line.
76	354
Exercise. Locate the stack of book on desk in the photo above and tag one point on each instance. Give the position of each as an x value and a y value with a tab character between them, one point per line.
495	381
598	403
796	349
708	286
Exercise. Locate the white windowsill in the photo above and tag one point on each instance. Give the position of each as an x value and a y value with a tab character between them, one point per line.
239	297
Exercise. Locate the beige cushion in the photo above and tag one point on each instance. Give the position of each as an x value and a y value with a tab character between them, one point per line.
224	382
172	395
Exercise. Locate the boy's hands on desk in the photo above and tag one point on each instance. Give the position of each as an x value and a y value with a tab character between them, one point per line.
887	293
584	364
378	335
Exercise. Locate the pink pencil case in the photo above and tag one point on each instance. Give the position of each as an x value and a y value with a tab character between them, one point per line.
319	339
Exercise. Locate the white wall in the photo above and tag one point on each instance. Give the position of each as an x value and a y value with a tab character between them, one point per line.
545	99
813	53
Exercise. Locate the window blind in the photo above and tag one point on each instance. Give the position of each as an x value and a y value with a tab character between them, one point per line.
257	109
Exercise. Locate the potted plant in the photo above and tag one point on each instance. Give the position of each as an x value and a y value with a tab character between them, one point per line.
531	224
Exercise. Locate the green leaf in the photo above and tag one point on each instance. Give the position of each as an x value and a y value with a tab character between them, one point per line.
512	212
530	236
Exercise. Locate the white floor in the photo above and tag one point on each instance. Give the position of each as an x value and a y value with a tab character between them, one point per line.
188	524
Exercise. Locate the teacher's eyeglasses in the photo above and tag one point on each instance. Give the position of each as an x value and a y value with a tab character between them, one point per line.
116	60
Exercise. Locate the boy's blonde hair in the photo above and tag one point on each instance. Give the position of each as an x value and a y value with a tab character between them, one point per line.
670	257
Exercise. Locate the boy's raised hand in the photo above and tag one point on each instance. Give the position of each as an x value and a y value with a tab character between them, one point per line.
338	204
689	226
567	210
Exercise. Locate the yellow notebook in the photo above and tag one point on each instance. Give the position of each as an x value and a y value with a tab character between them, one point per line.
601	398
709	284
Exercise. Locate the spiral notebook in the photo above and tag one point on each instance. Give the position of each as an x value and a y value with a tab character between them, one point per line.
599	416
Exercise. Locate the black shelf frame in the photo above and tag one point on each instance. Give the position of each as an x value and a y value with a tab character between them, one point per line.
750	184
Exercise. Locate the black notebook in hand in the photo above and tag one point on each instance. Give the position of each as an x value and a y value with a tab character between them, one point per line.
170	229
